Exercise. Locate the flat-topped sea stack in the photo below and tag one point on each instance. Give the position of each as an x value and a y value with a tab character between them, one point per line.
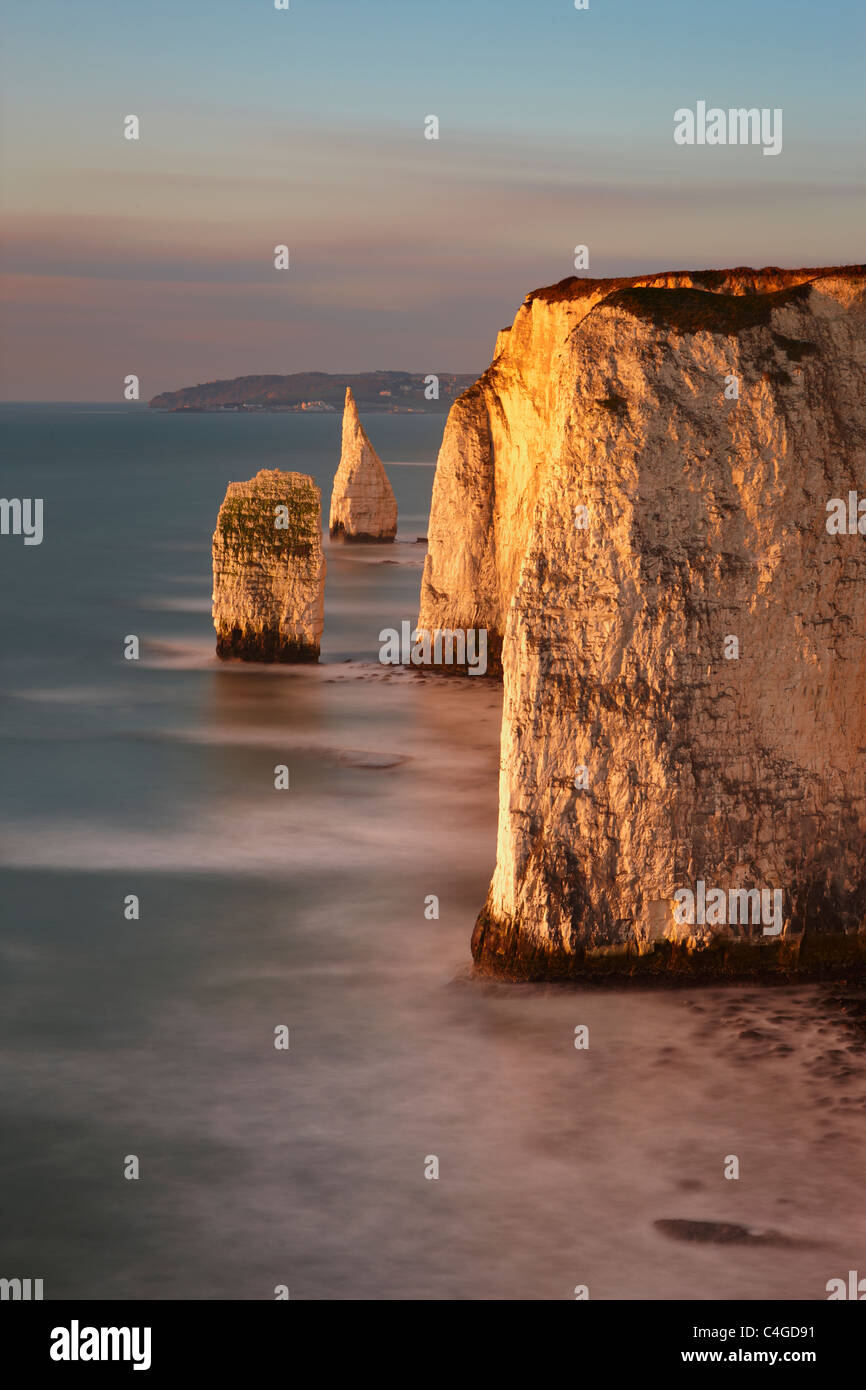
657	496
269	569
363	505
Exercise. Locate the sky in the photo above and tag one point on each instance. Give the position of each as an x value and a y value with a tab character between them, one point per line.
305	127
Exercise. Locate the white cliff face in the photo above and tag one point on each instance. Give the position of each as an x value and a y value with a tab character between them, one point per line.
363	505
499	436
685	644
269	569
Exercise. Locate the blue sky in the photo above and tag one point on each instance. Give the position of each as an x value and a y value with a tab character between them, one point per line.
306	127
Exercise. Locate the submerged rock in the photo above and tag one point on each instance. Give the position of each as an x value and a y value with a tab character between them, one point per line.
269	569
642	495
363	505
722	1233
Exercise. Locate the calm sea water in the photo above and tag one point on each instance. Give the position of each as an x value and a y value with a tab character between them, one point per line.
307	909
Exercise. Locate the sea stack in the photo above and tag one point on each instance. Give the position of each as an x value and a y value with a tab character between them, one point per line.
269	569
363	505
657	496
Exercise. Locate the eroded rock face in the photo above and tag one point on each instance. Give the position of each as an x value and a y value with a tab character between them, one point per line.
685	647
363	505
500	433
269	569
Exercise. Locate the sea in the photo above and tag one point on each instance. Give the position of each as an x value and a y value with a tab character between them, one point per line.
422	1134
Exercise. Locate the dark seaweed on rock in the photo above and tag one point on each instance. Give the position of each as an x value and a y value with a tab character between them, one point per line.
721	1233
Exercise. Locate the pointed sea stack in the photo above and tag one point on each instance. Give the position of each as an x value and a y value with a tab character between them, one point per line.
363	505
269	569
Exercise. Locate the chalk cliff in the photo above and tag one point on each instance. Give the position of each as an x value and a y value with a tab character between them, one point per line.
500	433
269	569
636	496
363	505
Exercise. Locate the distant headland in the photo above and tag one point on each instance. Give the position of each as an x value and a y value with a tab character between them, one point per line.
390	392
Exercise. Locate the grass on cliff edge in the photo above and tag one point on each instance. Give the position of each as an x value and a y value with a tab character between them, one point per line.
701	311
